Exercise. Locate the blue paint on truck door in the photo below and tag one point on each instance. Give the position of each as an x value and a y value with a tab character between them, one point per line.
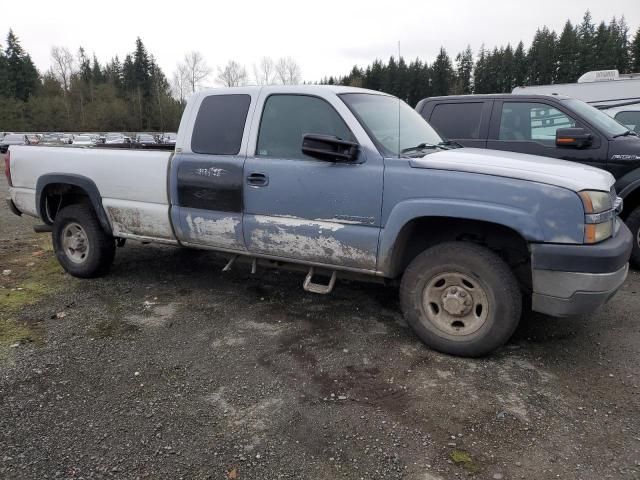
207	181
302	208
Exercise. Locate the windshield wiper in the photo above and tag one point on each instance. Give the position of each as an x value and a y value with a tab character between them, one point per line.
625	134
419	147
450	144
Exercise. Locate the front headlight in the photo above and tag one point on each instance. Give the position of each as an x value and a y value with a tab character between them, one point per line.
595	201
599	215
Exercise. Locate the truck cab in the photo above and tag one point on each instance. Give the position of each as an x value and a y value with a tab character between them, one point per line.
549	126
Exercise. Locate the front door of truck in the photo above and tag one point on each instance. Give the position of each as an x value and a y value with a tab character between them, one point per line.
530	127
298	207
207	175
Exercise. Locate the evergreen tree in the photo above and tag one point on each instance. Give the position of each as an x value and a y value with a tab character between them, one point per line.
586	38
480	75
4	75
619	37
508	81
542	57
568	53
442	76
464	71
602	48
520	66
634	52
21	74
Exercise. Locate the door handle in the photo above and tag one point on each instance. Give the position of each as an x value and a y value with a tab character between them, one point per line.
257	179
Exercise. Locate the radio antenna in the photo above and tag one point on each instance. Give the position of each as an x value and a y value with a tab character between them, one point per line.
398	103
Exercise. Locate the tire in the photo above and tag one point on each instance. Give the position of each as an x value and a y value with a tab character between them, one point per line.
633	222
81	245
461	299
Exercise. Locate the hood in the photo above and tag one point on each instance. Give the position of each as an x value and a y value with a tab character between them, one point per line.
551	171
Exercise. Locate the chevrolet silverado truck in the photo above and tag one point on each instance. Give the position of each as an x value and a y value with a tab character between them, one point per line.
344	182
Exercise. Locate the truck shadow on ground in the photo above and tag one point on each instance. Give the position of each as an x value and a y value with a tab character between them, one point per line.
193	273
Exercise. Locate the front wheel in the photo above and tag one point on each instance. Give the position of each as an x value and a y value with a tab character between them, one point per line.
633	222
461	298
82	247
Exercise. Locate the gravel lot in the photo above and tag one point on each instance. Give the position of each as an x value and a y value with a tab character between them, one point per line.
169	368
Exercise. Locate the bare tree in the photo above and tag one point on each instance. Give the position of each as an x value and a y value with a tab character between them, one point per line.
63	66
232	75
196	69
288	71
265	71
180	85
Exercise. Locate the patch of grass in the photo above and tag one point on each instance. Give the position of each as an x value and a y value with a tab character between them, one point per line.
464	460
42	280
14	332
24	287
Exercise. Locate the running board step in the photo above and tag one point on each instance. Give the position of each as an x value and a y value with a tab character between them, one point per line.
309	286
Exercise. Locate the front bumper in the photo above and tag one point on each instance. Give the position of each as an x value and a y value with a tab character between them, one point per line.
577	279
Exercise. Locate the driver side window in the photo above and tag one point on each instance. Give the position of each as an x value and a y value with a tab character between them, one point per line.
536	122
287	118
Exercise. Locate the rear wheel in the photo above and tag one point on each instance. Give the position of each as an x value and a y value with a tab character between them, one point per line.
461	298
633	222
80	244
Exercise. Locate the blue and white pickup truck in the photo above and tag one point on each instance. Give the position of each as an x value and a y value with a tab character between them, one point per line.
345	182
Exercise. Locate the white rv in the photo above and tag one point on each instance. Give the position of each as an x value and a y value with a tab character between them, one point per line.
616	94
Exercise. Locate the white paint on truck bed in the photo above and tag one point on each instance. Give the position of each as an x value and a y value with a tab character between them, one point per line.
132	184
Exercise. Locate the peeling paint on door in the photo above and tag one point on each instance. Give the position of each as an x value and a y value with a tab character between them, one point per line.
311	240
221	232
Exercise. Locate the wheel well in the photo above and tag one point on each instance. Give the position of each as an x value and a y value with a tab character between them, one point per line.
56	196
631	201
422	233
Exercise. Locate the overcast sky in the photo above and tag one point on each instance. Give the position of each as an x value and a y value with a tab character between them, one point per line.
326	37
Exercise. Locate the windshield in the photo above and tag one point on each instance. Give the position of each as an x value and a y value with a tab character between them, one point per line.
145	137
82	138
14	138
379	116
596	117
114	135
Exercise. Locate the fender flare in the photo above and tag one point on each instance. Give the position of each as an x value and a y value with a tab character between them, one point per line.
629	188
515	219
79	181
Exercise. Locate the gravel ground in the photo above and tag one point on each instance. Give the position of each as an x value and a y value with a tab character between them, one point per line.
169	368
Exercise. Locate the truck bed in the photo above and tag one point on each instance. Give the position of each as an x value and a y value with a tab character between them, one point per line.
132	184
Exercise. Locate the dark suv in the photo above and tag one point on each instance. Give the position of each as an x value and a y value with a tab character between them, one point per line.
548	125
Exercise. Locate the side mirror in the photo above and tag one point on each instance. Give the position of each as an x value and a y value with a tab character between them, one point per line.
573	137
329	148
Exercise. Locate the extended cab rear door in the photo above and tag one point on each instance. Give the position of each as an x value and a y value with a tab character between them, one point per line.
464	121
207	170
298	207
529	126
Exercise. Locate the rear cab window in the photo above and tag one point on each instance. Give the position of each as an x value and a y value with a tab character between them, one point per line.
460	120
219	125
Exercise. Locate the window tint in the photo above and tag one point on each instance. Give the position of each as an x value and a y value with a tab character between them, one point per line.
532	121
287	118
457	120
631	120
220	124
